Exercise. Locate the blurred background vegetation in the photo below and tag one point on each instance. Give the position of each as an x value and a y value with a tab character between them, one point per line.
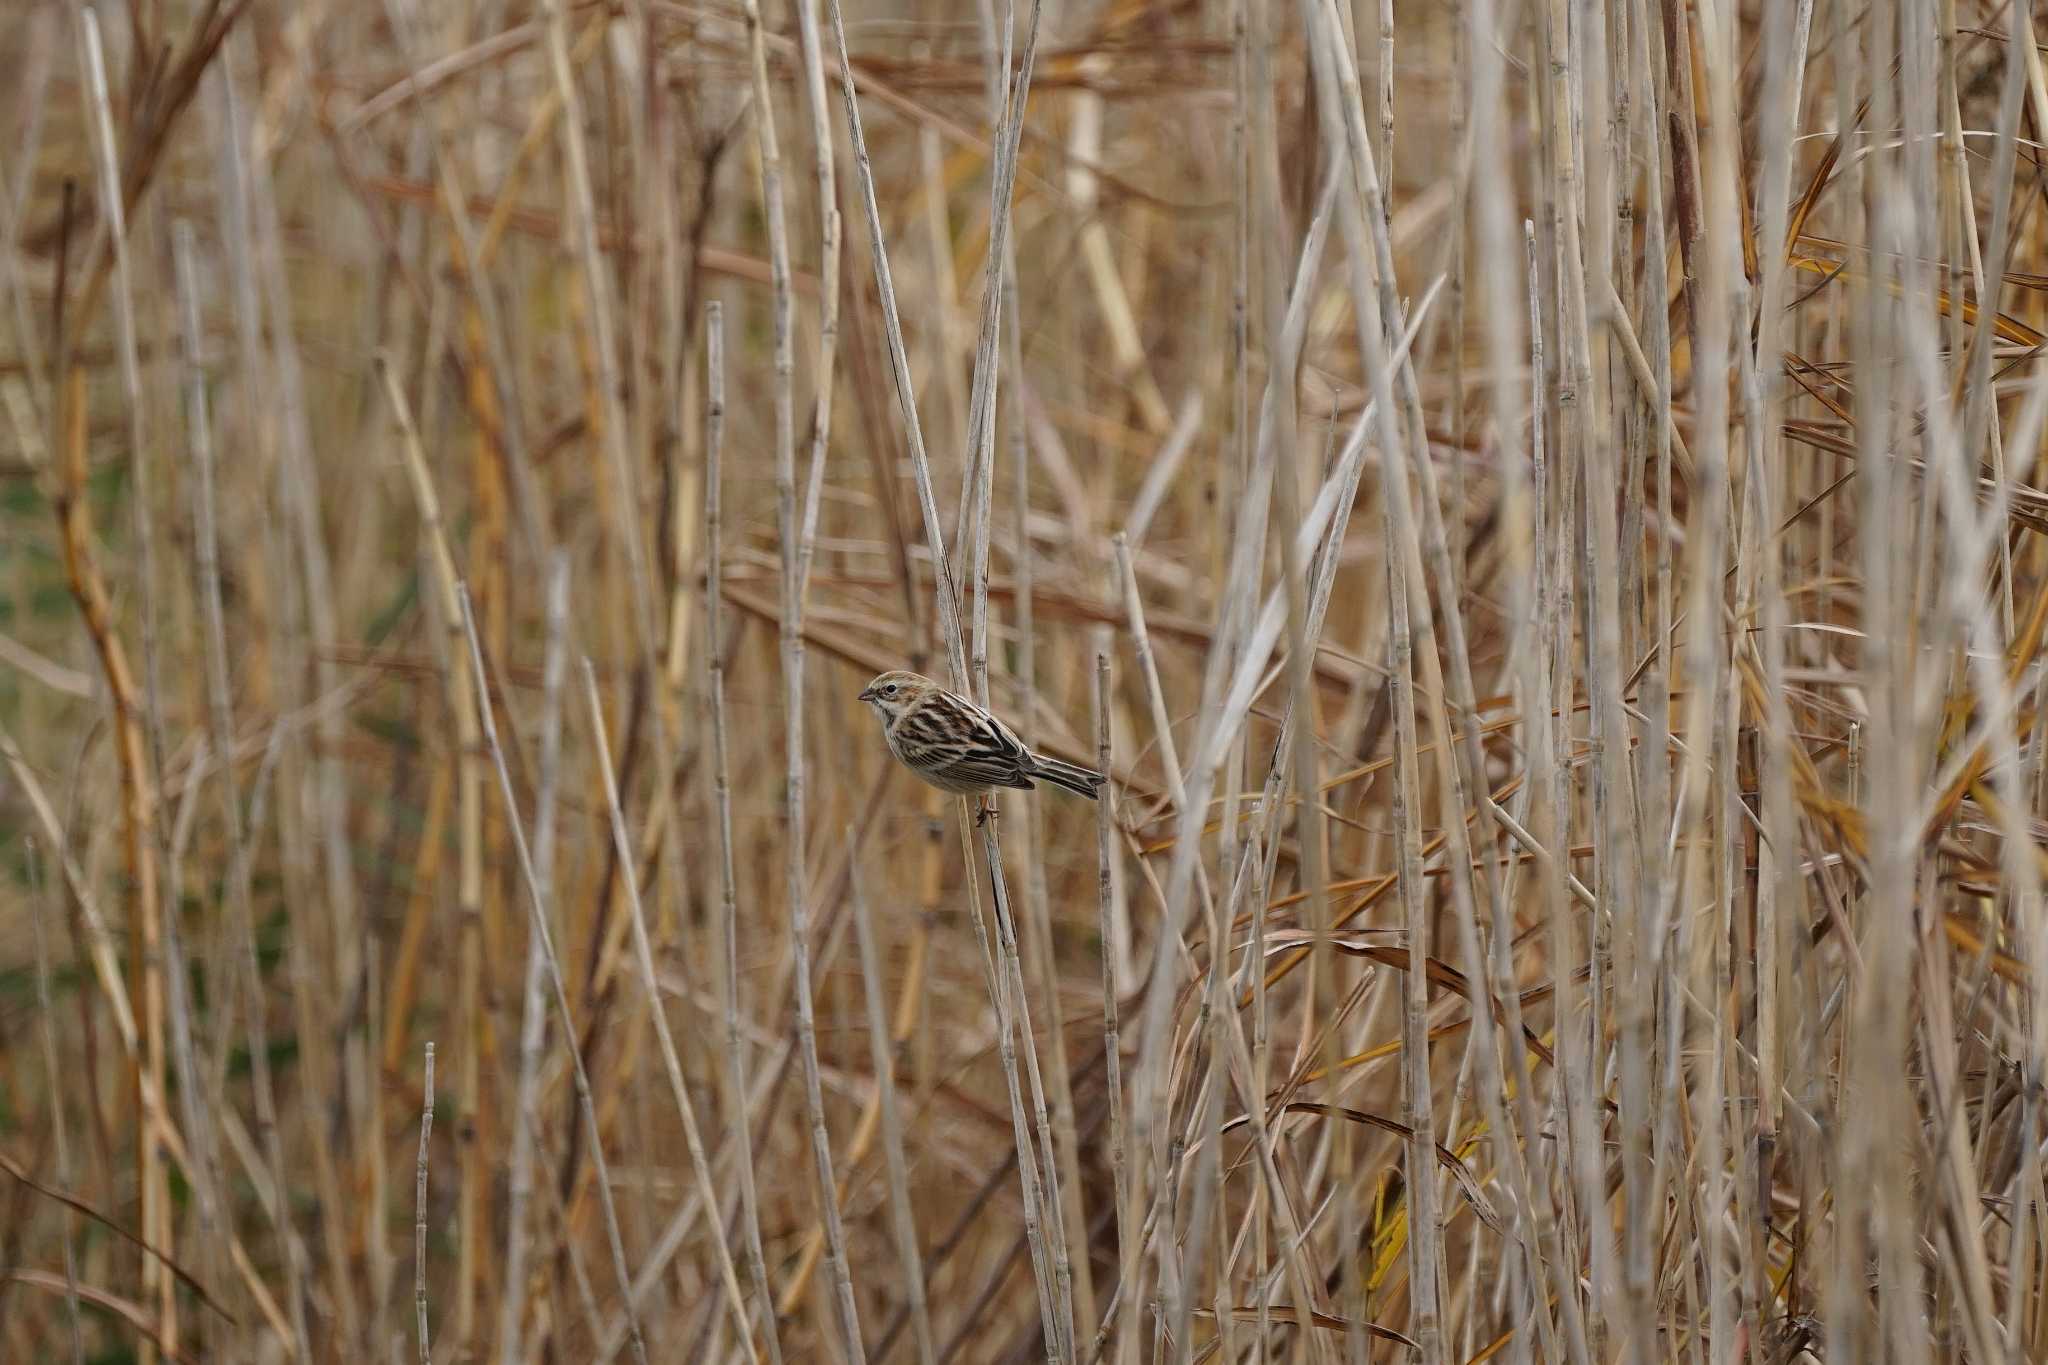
1552	484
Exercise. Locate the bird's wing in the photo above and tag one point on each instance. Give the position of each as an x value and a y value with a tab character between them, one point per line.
959	742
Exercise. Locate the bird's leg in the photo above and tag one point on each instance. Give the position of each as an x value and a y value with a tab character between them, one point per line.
986	812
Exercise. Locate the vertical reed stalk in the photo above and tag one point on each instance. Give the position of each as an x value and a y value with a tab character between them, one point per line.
419	1213
721	788
526	1118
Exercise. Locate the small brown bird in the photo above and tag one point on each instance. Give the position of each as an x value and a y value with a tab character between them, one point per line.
956	746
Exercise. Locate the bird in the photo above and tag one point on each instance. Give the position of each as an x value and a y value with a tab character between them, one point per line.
957	746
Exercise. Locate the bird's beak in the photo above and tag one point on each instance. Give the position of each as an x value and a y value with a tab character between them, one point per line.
867	694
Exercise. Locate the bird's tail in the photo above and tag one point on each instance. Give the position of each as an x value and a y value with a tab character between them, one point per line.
1075	778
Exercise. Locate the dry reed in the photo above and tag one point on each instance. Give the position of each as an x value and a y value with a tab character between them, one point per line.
1571	883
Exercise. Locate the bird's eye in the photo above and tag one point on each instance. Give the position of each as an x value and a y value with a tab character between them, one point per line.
890	690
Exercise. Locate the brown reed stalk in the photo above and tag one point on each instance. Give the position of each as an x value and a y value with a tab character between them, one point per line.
89	592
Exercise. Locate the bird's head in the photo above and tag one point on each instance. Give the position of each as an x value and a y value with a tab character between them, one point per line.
893	693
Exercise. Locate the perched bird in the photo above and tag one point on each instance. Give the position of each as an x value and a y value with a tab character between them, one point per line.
956	746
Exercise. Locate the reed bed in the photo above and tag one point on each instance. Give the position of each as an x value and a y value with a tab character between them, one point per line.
1532	502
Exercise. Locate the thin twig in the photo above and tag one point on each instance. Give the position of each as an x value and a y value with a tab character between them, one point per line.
419	1212
903	1221
721	789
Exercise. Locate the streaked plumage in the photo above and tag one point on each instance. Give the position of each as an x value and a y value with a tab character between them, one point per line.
956	746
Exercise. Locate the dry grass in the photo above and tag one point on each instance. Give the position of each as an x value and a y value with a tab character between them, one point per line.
1535	501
